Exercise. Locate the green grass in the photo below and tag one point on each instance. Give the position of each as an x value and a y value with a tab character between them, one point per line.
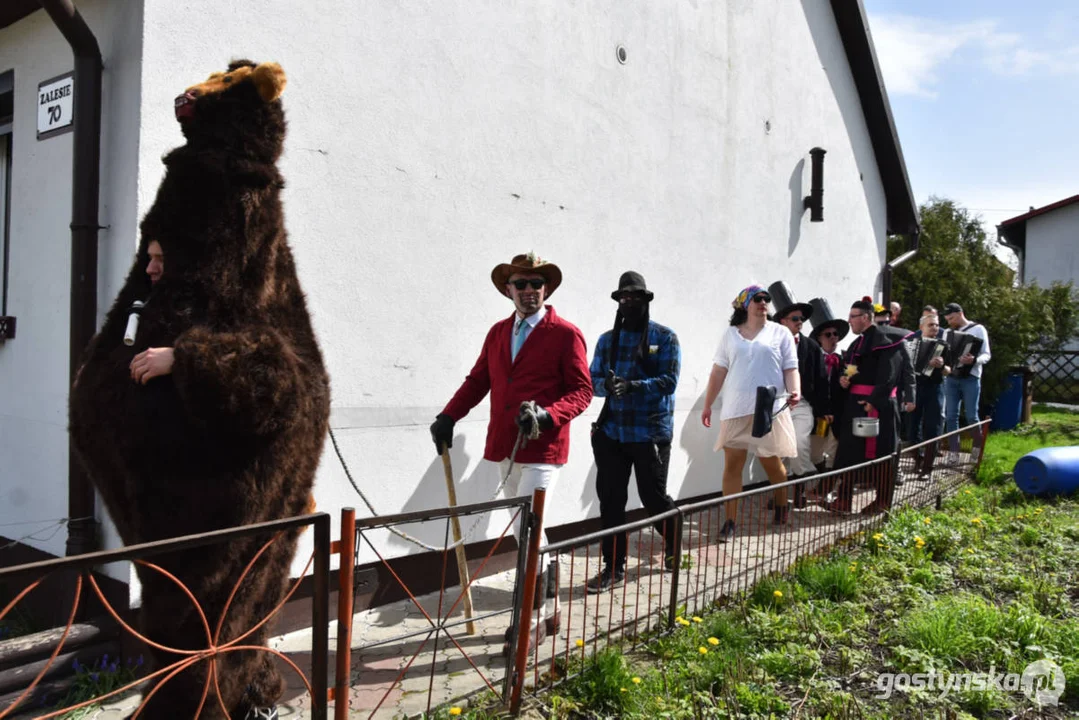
1051	427
985	585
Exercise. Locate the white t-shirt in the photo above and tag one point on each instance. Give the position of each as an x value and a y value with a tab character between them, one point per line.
750	363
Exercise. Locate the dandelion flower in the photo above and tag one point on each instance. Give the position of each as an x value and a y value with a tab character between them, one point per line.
624	690
702	650
713	641
975	521
850	370
927	521
636	681
970	551
878	536
778	593
455	711
697	619
968	492
580	642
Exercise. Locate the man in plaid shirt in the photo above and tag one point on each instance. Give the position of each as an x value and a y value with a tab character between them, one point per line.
636	368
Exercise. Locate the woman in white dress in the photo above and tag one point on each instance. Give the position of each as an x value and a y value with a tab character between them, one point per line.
753	351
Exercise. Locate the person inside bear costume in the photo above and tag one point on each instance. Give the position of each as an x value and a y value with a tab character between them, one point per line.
215	415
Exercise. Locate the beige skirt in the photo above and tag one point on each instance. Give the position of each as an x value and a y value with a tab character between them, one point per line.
737	434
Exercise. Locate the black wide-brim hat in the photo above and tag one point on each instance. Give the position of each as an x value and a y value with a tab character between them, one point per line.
806	308
841	325
632	282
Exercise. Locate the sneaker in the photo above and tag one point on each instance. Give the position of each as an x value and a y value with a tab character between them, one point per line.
726	532
837	505
267	713
606	580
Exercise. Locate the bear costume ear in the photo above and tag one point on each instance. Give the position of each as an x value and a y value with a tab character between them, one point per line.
270	80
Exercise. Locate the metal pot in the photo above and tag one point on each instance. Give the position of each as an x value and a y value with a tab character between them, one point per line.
865	427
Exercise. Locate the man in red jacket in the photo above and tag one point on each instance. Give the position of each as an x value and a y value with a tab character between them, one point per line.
533	355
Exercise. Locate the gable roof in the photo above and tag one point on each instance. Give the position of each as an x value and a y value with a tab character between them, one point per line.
1013	231
850	19
1035	212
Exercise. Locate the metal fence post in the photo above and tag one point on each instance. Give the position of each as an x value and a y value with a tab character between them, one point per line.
524	623
320	619
672	611
345	608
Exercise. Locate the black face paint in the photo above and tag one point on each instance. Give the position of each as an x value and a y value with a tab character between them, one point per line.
633	314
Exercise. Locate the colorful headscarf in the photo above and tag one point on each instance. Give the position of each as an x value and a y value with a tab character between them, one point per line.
746	296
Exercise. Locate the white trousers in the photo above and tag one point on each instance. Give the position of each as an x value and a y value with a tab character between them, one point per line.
824	449
527	478
803	419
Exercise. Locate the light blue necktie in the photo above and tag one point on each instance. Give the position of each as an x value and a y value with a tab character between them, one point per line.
519	335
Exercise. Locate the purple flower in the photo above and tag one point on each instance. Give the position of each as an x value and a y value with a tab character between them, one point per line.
93	676
75	664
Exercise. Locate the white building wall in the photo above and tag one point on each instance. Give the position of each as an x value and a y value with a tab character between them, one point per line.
34	366
429	142
1052	253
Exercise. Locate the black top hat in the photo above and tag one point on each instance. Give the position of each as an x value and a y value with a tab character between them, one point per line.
825	319
784	303
631	282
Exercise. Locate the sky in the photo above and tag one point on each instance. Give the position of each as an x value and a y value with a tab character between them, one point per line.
985	97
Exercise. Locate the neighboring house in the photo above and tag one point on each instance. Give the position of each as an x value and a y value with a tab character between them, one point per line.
429	141
1046	240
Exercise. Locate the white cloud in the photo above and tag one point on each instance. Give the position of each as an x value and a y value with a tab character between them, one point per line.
911	49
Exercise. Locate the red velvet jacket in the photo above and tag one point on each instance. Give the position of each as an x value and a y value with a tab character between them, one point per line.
551	368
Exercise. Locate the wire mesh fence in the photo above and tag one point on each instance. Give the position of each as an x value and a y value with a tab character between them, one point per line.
197	672
712	564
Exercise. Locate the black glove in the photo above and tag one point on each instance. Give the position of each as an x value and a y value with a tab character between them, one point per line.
526	419
623	386
608	382
442	432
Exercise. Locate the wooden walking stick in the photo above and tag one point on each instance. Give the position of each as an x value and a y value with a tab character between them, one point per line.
455	524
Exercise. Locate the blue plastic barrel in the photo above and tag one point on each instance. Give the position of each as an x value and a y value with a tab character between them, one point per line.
1048	471
1009	407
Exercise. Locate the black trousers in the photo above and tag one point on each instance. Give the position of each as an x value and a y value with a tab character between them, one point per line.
614	461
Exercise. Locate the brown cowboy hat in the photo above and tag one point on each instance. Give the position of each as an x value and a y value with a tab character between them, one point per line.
527	264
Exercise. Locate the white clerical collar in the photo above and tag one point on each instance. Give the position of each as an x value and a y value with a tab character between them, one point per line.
534	319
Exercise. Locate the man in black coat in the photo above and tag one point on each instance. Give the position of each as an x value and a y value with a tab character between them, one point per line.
868	386
814	390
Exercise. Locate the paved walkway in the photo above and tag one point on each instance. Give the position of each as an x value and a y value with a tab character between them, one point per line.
401	667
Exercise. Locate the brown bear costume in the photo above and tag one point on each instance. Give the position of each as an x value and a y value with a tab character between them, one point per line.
234	434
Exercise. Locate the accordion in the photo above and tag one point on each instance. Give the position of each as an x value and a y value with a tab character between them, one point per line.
959	344
928	349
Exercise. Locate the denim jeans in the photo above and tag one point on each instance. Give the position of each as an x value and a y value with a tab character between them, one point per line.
968	390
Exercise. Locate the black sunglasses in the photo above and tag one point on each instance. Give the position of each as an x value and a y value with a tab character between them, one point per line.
830	333
536	283
762	298
796	318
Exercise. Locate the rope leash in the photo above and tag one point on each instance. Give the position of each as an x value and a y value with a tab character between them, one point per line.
528	408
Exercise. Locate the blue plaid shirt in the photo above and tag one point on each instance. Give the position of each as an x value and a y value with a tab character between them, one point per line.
645	413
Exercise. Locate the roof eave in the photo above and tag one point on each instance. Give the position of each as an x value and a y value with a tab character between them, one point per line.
902	213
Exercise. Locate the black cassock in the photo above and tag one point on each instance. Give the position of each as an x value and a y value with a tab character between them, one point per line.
881	357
